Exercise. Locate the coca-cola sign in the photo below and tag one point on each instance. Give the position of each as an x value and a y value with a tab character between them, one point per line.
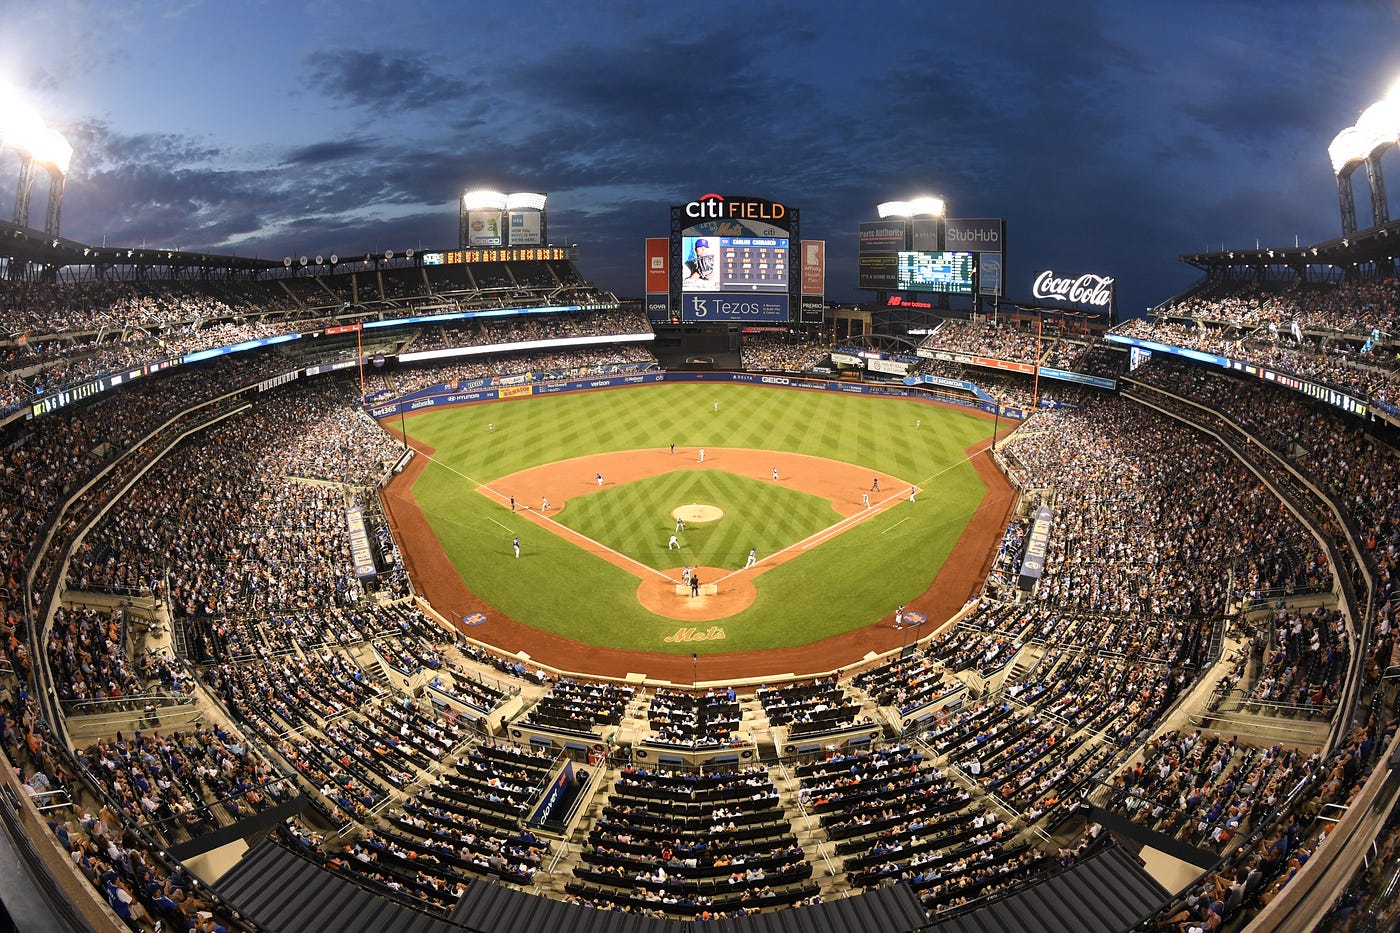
1096	291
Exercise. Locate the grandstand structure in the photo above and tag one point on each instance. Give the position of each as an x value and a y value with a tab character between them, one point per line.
1188	710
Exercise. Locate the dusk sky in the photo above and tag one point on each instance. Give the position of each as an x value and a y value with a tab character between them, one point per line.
1111	136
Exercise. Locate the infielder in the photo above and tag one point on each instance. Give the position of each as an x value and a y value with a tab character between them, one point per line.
775	474
674	544
753	558
702	455
911	493
600	478
515	543
865	498
544	504
875	484
680	523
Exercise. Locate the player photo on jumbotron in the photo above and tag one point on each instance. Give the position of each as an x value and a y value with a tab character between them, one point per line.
701	264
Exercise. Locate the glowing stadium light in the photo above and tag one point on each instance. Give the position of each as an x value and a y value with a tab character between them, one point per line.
1379	125
483	200
922	205
926	205
1344	150
52	149
20	126
525	201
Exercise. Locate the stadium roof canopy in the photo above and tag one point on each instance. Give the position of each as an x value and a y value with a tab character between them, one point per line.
27	245
1378	244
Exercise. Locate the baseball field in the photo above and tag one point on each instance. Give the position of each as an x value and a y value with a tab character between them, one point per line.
817	485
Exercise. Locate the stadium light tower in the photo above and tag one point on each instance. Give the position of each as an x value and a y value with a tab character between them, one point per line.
1363	143
55	153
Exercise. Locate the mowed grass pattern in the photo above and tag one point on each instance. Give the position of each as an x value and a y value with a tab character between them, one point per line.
635	519
843	584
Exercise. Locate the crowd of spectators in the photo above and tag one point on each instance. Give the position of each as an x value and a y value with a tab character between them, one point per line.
483	332
555	364
700	846
691	720
1126	538
782	352
1340	335
975	338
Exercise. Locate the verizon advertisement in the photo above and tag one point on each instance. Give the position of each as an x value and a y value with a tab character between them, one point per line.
1085	291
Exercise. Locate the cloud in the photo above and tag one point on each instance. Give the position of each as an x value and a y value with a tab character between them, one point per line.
327	152
380	79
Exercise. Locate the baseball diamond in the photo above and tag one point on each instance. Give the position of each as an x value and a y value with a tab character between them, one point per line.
820	590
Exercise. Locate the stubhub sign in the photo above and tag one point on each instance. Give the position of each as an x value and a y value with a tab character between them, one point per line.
734	307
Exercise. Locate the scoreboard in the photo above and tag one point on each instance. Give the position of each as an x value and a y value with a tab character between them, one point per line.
947	272
734	264
498	254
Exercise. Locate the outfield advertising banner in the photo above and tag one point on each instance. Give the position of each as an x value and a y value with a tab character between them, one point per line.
974	234
437	396
878	271
658	275
813	281
484	228
814	267
923	232
989	274
525	228
881	236
734	307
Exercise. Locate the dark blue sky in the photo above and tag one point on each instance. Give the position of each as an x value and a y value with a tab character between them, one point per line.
1111	136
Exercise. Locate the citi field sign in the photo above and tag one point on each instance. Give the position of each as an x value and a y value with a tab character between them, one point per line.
726	207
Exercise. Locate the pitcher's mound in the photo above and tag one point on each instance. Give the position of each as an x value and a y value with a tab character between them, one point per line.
697	514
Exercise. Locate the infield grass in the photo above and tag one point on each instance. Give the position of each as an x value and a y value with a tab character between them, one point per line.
636	518
848	582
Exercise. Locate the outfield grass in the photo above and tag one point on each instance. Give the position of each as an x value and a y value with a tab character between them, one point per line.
846	583
635	519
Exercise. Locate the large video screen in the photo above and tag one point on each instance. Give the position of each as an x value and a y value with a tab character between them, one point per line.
936	272
734	264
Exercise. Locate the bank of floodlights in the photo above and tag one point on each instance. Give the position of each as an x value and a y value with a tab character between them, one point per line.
482	200
22	129
1360	144
525	201
926	206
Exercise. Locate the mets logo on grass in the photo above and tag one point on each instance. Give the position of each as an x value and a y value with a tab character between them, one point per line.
713	633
